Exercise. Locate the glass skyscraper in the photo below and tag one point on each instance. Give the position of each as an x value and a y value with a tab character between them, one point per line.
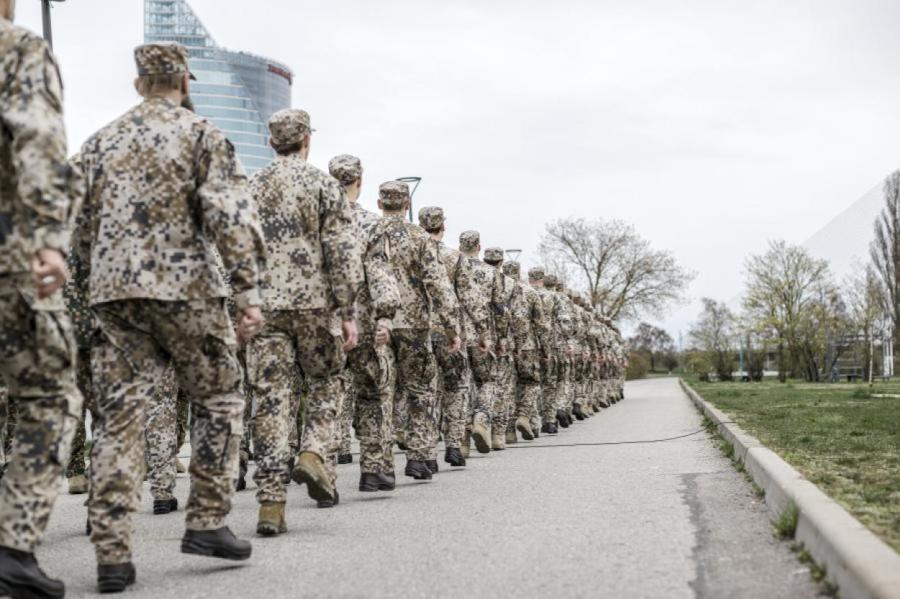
236	90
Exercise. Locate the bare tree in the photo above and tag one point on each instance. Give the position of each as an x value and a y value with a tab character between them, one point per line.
885	250
653	341
624	276
714	334
863	295
790	296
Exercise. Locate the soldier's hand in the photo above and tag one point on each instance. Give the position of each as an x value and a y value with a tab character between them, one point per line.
484	345
250	323
382	336
351	335
48	268
455	345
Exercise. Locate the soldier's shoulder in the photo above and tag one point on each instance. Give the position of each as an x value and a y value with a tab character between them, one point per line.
22	39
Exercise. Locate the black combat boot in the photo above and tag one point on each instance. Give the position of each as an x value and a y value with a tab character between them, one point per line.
545	428
551	429
20	576
216	543
418	470
368	482
579	414
454	457
432	465
164	506
115	578
562	419
326	503
387	481
345	458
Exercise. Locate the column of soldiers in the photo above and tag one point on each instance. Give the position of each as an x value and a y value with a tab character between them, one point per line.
192	286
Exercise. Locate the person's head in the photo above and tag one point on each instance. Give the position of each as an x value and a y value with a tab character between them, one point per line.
290	132
550	281
348	171
8	9
163	72
512	269
536	276
493	256
432	220
393	197
470	243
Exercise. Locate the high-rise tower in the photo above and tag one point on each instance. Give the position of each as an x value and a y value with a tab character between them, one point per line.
236	90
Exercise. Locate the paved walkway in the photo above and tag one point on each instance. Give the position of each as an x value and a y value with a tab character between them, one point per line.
656	520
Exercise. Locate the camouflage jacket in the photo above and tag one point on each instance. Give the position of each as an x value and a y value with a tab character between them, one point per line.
566	320
459	273
378	298
531	326
314	260
38	186
421	278
164	189
487	282
549	306
509	295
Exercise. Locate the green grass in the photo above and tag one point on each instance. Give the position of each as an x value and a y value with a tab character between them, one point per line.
839	437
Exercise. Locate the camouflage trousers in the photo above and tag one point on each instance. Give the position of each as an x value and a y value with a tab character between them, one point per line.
549	382
504	393
345	429
37	367
452	394
481	395
416	371
564	388
374	378
138	341
294	344
528	388
167	413
77	463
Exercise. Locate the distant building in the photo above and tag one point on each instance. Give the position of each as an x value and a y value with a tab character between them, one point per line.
236	90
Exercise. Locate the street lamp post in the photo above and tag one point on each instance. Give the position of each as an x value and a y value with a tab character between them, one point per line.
513	255
414	181
45	13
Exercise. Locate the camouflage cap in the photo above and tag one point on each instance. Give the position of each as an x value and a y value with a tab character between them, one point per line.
536	274
161	58
393	195
345	168
289	126
493	255
431	218
550	281
512	269
469	241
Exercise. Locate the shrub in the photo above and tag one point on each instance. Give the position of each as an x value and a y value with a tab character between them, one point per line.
638	366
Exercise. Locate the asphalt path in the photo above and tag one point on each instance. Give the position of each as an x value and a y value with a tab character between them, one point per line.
586	513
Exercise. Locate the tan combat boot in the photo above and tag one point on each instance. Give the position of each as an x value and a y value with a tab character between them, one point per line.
498	442
481	434
180	468
271	519
523	425
310	470
511	437
78	485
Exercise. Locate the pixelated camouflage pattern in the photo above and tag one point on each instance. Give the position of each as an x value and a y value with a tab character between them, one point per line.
163	186
416	372
494	254
469	241
374	377
378	297
393	195
314	257
345	168
161	437
37	183
536	274
289	126
474	312
161	58
452	393
431	218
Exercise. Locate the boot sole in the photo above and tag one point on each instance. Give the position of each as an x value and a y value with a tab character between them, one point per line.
481	443
369	488
525	432
193	547
314	487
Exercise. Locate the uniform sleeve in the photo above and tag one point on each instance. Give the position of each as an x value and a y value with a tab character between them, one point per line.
437	284
31	112
343	265
380	280
230	218
541	323
520	318
471	301
500	306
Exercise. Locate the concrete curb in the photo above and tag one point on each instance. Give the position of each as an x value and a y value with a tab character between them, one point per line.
858	562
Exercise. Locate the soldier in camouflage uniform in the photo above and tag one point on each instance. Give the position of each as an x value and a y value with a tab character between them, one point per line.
453	368
313	278
565	388
488	283
371	363
504	367
531	332
162	439
37	348
424	292
163	186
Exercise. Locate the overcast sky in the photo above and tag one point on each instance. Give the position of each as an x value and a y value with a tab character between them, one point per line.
712	126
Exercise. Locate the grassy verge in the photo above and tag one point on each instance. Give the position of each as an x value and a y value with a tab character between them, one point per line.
841	439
